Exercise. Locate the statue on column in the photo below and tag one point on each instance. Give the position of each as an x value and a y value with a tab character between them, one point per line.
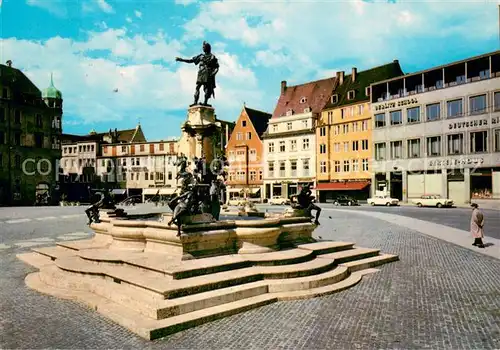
208	69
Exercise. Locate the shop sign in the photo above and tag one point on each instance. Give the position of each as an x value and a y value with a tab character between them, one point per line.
470	123
138	169
388	105
456	162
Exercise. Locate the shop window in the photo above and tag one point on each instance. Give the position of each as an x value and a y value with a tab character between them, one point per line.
481	184
478	142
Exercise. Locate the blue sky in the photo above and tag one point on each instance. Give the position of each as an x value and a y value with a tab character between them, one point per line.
114	60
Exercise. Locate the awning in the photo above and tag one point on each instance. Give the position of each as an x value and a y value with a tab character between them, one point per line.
118	191
342	186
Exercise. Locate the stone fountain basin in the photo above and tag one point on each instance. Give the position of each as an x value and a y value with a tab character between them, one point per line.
243	235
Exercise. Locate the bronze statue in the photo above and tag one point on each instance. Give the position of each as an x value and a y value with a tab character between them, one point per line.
105	202
305	201
208	68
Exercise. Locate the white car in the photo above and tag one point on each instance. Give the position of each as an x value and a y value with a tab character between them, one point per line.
277	200
383	200
236	201
432	201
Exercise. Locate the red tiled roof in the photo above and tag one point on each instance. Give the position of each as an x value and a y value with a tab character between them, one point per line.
316	93
339	186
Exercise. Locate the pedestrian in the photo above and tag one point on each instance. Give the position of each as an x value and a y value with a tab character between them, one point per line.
476	226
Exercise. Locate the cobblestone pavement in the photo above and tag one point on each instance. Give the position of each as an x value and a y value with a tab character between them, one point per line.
438	296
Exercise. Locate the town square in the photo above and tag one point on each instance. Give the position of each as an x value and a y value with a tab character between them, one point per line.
208	175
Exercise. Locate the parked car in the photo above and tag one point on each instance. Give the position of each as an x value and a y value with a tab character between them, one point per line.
345	200
383	200
432	201
236	201
278	200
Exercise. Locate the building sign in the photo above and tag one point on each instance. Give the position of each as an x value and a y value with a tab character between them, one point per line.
139	169
470	123
388	105
495	120
456	162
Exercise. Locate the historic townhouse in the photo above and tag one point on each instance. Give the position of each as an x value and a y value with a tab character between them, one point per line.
30	131
290	140
343	135
245	154
141	168
438	131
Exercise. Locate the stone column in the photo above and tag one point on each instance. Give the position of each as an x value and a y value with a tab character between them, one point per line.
373	186
199	146
405	185
467	198
444	183
388	183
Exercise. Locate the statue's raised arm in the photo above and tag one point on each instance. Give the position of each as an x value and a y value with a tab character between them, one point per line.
208	69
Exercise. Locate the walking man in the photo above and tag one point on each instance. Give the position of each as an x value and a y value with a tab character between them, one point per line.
476	226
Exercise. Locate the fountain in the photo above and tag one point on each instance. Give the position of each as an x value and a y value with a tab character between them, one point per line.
159	274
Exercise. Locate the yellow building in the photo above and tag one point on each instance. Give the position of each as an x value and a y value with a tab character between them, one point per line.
343	135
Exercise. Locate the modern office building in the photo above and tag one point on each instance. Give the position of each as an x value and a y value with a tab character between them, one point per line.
290	140
438	132
245	152
343	134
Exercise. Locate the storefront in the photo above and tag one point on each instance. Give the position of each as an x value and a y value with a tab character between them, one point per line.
357	189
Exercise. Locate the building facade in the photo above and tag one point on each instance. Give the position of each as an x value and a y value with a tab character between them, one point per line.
438	132
290	140
30	130
245	154
142	168
343	134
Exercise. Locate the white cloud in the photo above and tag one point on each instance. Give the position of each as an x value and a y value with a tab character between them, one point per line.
269	58
109	88
128	19
56	7
104	6
138	14
185	2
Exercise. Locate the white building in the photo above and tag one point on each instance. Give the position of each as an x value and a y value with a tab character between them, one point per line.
438	132
289	158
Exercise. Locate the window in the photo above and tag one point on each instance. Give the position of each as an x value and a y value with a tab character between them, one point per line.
275	128
146	177
322	167
289	126
162	147
17	139
336	130
346	166
330	117
271	147
367	91
351	94
131	176
346	128
346	146
239	136
496	101
260	174
355	165
38	140
355	126
455	144
38	120
17	116
434	146
243	123
293	167
305	124
249	135
413	115
380	120
433	112
293	145
364	125
322	131
282	146
124	162
336	147
454	108
170	175
142	148
305	143
365	164
282	169
496	140
342	113
396	118
322	148
270	168
477	104
334	98
478	142
361	109
337	166
396	149
253	175
380	151
305	167
364	145
355	145
414	148
253	155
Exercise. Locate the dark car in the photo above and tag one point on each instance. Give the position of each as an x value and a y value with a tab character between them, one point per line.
345	200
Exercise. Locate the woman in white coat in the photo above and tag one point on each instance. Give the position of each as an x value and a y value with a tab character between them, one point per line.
476	226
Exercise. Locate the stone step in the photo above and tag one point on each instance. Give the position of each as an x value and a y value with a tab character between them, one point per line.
34	259
54	252
320	248
371	262
302	283
84	244
282	257
350	255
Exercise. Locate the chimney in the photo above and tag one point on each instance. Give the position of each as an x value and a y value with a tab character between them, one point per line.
283	87
341	77
354	73
9	63
396	61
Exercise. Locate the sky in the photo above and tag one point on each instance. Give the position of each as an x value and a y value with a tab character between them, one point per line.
114	60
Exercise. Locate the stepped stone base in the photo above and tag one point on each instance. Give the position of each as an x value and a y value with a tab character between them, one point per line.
155	294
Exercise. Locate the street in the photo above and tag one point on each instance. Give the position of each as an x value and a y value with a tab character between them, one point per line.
439	295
